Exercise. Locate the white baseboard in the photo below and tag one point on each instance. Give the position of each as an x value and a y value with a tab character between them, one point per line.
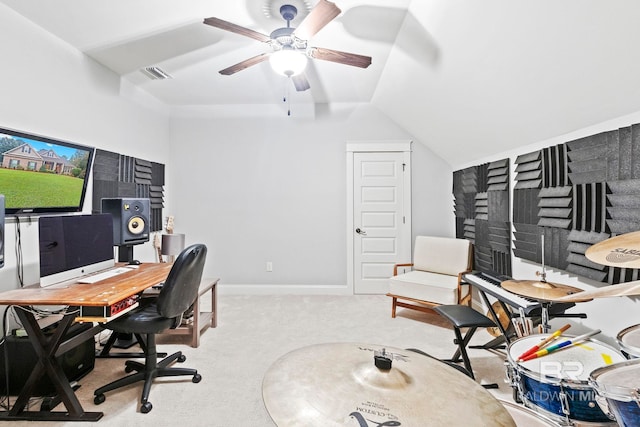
270	289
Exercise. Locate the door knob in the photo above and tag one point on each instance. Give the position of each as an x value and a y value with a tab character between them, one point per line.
359	231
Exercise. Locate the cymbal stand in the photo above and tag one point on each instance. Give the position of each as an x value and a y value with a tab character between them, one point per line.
546	327
544	312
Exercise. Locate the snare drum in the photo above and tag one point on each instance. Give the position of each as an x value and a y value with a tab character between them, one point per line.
557	384
629	341
619	384
525	416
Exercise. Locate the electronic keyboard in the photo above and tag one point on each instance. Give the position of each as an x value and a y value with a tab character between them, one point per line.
490	284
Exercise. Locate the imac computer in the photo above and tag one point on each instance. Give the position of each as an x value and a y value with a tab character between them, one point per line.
73	246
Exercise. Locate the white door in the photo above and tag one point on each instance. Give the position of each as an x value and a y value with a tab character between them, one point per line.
381	223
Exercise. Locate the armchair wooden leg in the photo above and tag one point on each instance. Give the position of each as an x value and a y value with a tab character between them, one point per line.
394	302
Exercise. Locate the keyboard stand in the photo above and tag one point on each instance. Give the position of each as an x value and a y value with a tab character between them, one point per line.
509	332
498	342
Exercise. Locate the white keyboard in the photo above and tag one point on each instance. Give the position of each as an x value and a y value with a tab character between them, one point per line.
104	275
493	288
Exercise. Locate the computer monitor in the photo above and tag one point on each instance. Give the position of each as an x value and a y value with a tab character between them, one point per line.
73	246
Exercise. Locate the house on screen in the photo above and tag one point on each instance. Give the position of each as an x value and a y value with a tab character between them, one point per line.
27	158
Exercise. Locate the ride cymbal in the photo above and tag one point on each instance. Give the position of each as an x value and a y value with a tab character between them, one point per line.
338	384
619	251
539	290
619	290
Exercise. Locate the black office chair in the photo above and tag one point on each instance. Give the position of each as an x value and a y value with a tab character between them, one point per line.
179	291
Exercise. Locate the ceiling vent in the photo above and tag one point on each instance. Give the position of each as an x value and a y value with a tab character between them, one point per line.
155	73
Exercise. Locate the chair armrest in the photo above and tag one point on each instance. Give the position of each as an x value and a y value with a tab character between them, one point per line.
462	274
395	267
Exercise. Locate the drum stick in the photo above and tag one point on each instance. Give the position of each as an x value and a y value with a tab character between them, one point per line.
567	343
551	337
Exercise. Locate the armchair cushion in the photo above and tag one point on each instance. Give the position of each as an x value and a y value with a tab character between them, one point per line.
427	286
435	278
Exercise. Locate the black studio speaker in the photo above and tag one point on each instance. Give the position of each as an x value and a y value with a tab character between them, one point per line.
1	231
76	362
131	220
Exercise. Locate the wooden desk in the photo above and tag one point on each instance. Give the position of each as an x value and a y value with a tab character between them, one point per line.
104	293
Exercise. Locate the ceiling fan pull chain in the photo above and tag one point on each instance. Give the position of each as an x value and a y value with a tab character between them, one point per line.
286	96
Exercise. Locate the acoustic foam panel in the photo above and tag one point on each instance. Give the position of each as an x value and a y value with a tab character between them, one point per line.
577	194
481	206
119	176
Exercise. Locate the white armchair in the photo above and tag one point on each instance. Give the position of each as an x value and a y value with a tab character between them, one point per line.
435	277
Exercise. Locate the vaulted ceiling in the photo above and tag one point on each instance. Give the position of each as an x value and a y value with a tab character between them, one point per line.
467	78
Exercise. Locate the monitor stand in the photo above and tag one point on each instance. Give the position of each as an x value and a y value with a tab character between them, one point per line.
125	253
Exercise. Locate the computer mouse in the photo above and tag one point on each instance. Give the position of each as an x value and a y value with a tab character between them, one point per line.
134	262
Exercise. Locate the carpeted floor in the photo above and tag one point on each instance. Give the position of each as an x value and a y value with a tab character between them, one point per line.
252	333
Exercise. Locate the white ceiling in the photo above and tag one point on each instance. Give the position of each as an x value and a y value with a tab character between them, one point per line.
468	78
127	35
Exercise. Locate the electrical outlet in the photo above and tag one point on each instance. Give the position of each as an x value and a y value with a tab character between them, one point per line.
269	266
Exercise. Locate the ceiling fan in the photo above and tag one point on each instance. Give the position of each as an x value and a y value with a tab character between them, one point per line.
290	45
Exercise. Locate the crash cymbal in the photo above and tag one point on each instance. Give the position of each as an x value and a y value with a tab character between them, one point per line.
338	384
620	290
539	290
619	251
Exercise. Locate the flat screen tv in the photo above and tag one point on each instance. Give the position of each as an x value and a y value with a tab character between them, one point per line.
73	246
42	175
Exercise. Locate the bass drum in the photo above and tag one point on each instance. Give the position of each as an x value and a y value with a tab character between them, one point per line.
526	417
557	385
629	341
618	384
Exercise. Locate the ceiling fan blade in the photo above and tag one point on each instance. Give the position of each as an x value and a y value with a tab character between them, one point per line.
300	82
320	15
228	26
340	57
245	64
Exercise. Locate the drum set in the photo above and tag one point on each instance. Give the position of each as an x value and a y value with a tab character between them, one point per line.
587	383
591	383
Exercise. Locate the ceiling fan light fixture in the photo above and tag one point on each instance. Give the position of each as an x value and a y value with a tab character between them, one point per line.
288	62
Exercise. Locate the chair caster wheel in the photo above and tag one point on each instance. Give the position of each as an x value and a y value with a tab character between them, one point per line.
182	358
146	407
196	378
99	398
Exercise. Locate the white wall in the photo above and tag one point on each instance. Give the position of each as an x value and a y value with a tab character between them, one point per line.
611	315
274	189
253	185
51	89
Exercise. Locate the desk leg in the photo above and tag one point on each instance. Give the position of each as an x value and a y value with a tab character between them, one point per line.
46	348
195	331
214	305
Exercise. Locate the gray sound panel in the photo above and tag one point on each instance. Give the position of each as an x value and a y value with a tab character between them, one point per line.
555	207
623	206
526	242
481	206
483	258
589	191
554	166
469	230
529	170
119	176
